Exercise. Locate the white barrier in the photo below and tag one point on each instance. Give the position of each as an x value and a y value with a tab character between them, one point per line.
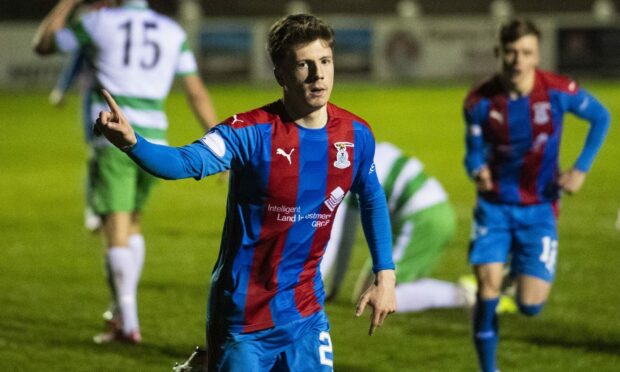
20	67
387	49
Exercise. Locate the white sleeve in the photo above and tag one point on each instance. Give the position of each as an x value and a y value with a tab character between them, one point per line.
66	41
187	62
340	246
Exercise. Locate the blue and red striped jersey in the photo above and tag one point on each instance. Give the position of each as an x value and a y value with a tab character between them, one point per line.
286	183
519	139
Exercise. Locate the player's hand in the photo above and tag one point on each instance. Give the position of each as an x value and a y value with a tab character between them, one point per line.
381	296
114	125
483	179
572	180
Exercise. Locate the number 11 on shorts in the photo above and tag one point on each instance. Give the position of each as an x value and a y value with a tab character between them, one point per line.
549	253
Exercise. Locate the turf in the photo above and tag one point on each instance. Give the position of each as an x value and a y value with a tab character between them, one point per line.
52	290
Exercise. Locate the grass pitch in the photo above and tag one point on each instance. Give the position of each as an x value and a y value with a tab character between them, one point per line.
52	290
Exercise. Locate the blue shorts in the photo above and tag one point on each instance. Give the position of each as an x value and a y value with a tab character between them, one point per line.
527	235
303	345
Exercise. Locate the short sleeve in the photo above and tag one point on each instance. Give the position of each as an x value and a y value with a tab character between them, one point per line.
187	61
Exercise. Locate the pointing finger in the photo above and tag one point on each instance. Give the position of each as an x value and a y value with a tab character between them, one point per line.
373	326
376	320
384	315
111	102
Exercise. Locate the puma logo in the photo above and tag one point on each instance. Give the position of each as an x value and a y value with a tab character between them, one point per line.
540	141
236	120
279	151
497	116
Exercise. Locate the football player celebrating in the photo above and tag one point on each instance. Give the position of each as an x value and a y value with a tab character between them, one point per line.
291	162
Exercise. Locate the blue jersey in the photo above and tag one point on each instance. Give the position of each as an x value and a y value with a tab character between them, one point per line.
286	183
519	139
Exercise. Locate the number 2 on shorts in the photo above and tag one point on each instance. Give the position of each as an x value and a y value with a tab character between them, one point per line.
325	348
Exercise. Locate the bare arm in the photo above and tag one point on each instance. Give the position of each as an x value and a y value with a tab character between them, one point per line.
199	100
43	42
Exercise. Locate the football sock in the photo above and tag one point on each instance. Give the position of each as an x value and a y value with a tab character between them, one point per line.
427	294
136	245
530	310
111	285
125	279
486	333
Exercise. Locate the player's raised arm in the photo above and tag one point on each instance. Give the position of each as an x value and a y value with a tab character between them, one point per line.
43	42
196	160
114	125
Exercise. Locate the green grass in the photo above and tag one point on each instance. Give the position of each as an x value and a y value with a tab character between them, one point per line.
52	290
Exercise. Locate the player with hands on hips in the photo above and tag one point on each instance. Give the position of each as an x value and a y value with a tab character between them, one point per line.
423	222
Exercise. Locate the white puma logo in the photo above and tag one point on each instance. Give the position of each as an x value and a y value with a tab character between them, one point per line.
236	120
279	151
497	116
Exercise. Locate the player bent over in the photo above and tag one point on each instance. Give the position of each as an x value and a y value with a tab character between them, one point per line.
290	162
514	126
422	221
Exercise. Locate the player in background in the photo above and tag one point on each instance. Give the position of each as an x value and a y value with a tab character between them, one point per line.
72	71
135	53
513	131
423	221
291	163
79	69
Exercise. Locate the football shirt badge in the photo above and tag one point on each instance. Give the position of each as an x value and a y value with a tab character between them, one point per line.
342	157
541	112
335	197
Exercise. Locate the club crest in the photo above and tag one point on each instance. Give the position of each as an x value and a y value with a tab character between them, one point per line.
541	112
342	157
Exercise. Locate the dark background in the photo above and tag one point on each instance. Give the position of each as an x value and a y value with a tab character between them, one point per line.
36	9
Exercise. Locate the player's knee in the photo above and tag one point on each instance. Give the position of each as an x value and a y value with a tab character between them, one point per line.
530	309
489	290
